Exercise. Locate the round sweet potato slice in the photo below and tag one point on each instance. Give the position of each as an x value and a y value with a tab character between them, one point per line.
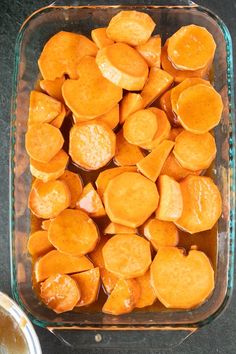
38	243
99	36
74	182
53	87
161	233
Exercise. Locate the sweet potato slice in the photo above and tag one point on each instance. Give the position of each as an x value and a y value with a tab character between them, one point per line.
58	121
161	233
170	206
100	38
194	151
114	228
151	165
202	205
205	105
130	103
50	170
58	262
47	200
112	117
147	294
43	142
151	51
174	133
164	103
140	127
53	87
123	66
131	27
62	54
191	48
191	282
126	154
90	202
74	183
60	293
38	243
88	283
73	232
45	224
130	199
158	82
92	144
127	255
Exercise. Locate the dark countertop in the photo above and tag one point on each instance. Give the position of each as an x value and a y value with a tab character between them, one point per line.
219	336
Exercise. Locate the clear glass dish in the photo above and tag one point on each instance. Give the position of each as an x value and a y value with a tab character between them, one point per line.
159	328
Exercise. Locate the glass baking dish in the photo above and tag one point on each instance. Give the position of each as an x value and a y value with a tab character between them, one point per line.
159	328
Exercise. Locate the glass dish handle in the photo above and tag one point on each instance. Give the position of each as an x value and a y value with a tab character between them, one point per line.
116	2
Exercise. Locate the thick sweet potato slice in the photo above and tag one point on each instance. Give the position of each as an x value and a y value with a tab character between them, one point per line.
123	66
90	202
170	206
140	127
112	117
38	243
151	165
89	284
147	293
205	105
53	87
191	282
126	154
60	293
164	103
127	255
151	51
174	133
47	200
131	27
130	103
43	142
130	199
194	151
58	262
50	170
99	36
191	48
58	121
74	183
202	205
109	280
45	224
73	232
158	82
161	233
114	228
92	144
62	54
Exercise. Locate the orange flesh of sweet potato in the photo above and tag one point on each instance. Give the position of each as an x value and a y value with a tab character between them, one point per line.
151	165
127	255
123	66
147	294
151	51
114	228
126	154
164	103
161	233
74	183
58	262
99	36
202	205
90	202
130	199
53	87
38	243
60	293
47	200
191	282
88	283
130	103
112	117
73	232
58	121
170	206
45	224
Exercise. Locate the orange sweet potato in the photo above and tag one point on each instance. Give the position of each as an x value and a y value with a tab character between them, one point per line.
74	183
88	283
161	233
164	103
114	228
112	117
130	103
174	133
126	154
53	87
38	243
90	202
147	295
58	121
99	36
45	224
151	51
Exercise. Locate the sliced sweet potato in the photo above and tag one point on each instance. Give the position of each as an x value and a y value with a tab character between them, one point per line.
123	298
170	206
158	82
174	133
140	127
92	144
161	233
45	224
147	294
202	205
60	293
151	165
58	121
53	87
62	54
194	151
73	232
88	283
74	183
191	282
38	243
90	202
131	27
191	48
50	170
164	103
109	280
130	103
114	228
130	199
100	38
43	142
126	154
123	66
112	117
151	51
57	262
